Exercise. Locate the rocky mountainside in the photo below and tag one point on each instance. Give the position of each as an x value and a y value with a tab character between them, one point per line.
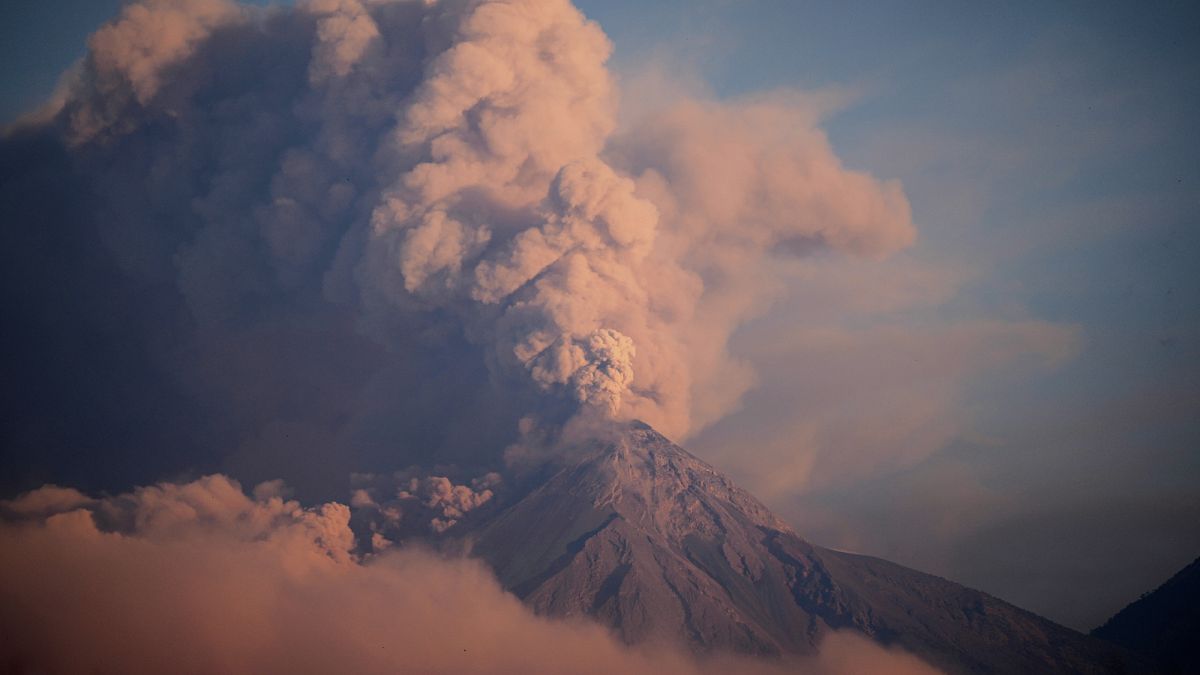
1161	625
644	537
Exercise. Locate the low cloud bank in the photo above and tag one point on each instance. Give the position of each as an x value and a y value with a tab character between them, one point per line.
199	577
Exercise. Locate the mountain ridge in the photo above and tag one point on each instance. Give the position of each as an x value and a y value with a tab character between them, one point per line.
1161	624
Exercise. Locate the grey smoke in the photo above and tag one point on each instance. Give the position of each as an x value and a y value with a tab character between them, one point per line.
350	236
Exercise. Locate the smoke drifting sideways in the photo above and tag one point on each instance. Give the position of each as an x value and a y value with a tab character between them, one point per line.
409	504
200	577
355	236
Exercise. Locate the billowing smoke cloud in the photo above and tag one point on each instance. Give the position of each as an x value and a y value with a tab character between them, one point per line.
200	577
343	228
404	503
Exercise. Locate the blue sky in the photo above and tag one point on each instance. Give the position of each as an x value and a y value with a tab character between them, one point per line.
1050	155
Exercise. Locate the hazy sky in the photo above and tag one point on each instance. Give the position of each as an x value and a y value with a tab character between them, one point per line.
1012	402
1050	155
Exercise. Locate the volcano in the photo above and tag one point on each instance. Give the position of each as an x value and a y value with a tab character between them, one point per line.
638	534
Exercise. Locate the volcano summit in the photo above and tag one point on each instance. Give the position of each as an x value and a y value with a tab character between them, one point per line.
646	538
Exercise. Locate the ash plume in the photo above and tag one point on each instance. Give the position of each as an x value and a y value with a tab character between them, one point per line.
372	234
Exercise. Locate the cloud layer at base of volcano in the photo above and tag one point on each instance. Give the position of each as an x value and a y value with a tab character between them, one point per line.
201	577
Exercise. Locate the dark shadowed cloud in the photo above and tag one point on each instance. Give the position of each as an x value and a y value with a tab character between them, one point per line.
353	237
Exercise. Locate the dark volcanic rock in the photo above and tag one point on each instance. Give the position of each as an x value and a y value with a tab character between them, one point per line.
1162	624
646	538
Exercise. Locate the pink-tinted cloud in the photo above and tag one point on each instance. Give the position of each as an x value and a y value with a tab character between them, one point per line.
199	577
605	271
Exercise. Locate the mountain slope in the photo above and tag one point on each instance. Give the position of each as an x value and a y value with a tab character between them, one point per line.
648	539
1162	624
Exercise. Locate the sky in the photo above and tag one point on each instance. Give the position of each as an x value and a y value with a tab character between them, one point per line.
1009	400
1049	154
